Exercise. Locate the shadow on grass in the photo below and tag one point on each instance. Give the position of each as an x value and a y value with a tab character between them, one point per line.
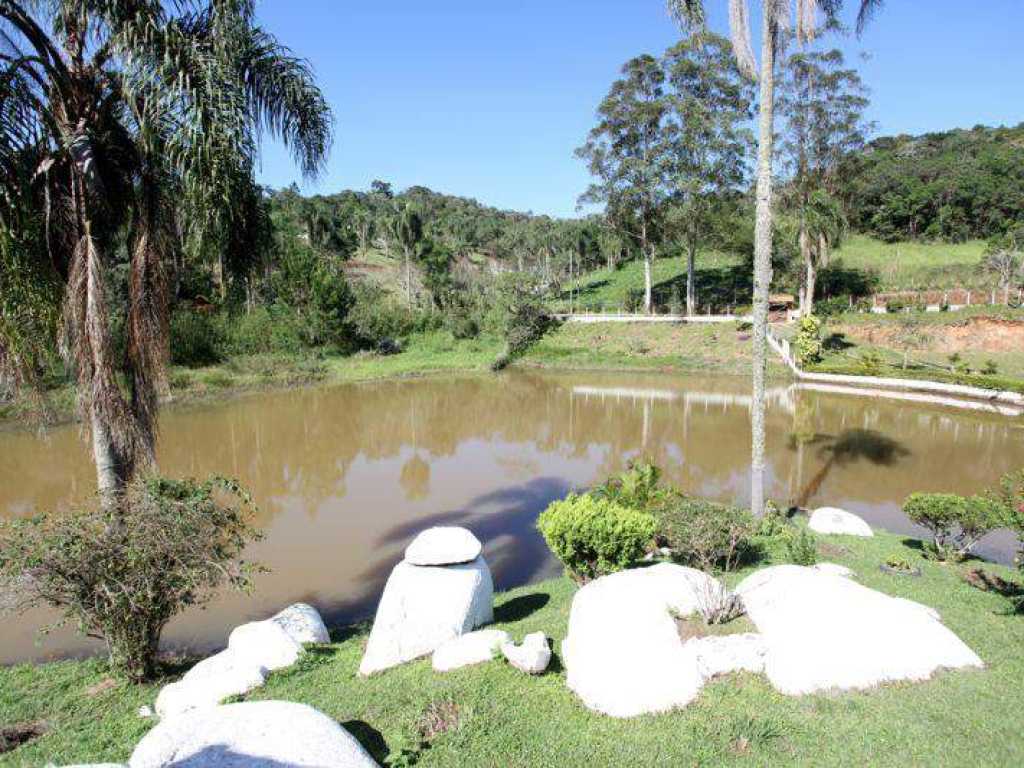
518	608
371	739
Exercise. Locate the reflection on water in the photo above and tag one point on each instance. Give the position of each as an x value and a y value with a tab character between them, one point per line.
346	476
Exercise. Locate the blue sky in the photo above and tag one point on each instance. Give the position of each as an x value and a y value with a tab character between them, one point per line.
488	99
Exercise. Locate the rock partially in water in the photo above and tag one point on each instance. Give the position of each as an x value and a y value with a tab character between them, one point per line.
720	655
424	607
251	735
532	657
472	648
303	624
623	653
443	545
264	644
826	632
833	520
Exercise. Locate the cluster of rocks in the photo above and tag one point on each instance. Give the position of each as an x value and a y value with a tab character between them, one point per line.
817	630
433	600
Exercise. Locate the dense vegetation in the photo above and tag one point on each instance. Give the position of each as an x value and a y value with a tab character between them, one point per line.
954	186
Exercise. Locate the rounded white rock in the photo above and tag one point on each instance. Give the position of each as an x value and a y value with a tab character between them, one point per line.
264	644
532	657
303	624
443	545
833	520
472	648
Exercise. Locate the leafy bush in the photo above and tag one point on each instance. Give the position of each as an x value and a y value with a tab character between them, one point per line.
264	330
808	341
704	534
379	319
991	368
196	340
593	536
832	306
525	316
121	574
956	523
637	487
802	548
871	363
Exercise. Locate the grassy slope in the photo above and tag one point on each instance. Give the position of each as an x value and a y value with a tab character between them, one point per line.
913	265
508	719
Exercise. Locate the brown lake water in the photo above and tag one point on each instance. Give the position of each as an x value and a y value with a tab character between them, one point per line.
345	476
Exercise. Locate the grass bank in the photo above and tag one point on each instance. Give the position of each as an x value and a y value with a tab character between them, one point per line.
494	715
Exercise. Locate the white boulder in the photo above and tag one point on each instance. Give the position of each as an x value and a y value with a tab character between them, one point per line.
473	648
730	653
623	653
251	735
208	689
827	632
303	624
835	569
264	644
832	520
423	607
532	657
443	545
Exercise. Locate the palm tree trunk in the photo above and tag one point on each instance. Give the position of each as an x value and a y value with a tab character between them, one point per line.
408	278
762	263
648	290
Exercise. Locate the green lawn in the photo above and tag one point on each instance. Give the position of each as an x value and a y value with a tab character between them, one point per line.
496	716
915	266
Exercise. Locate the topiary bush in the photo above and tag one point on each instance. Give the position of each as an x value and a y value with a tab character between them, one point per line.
704	534
956	523
120	574
808	341
595	536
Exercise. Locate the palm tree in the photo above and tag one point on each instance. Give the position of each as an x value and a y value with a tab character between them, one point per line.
407	230
775	22
134	124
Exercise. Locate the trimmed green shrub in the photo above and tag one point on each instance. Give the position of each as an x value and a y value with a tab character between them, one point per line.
956	523
704	534
121	574
593	536
808	341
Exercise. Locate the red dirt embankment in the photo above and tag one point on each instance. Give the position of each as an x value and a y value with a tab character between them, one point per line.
976	334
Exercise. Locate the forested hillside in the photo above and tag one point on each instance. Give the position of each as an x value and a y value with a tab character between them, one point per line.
955	186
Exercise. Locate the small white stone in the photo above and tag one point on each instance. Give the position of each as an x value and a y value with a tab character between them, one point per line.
835	569
145	711
532	657
206	691
443	545
264	644
833	520
303	624
473	648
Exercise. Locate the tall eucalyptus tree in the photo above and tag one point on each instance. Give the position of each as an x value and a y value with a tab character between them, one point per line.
129	123
775	21
628	153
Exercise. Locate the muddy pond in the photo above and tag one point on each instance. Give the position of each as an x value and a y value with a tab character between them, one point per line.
345	476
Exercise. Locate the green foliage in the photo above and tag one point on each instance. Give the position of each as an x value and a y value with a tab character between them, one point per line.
594	536
802	547
808	341
953	186
263	330
704	534
956	523
121	574
524	316
871	363
379	320
197	339
832	306
991	368
898	563
637	487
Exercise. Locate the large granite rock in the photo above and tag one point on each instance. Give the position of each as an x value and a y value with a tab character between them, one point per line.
832	520
262	734
443	545
472	648
302	624
623	653
824	632
423	607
